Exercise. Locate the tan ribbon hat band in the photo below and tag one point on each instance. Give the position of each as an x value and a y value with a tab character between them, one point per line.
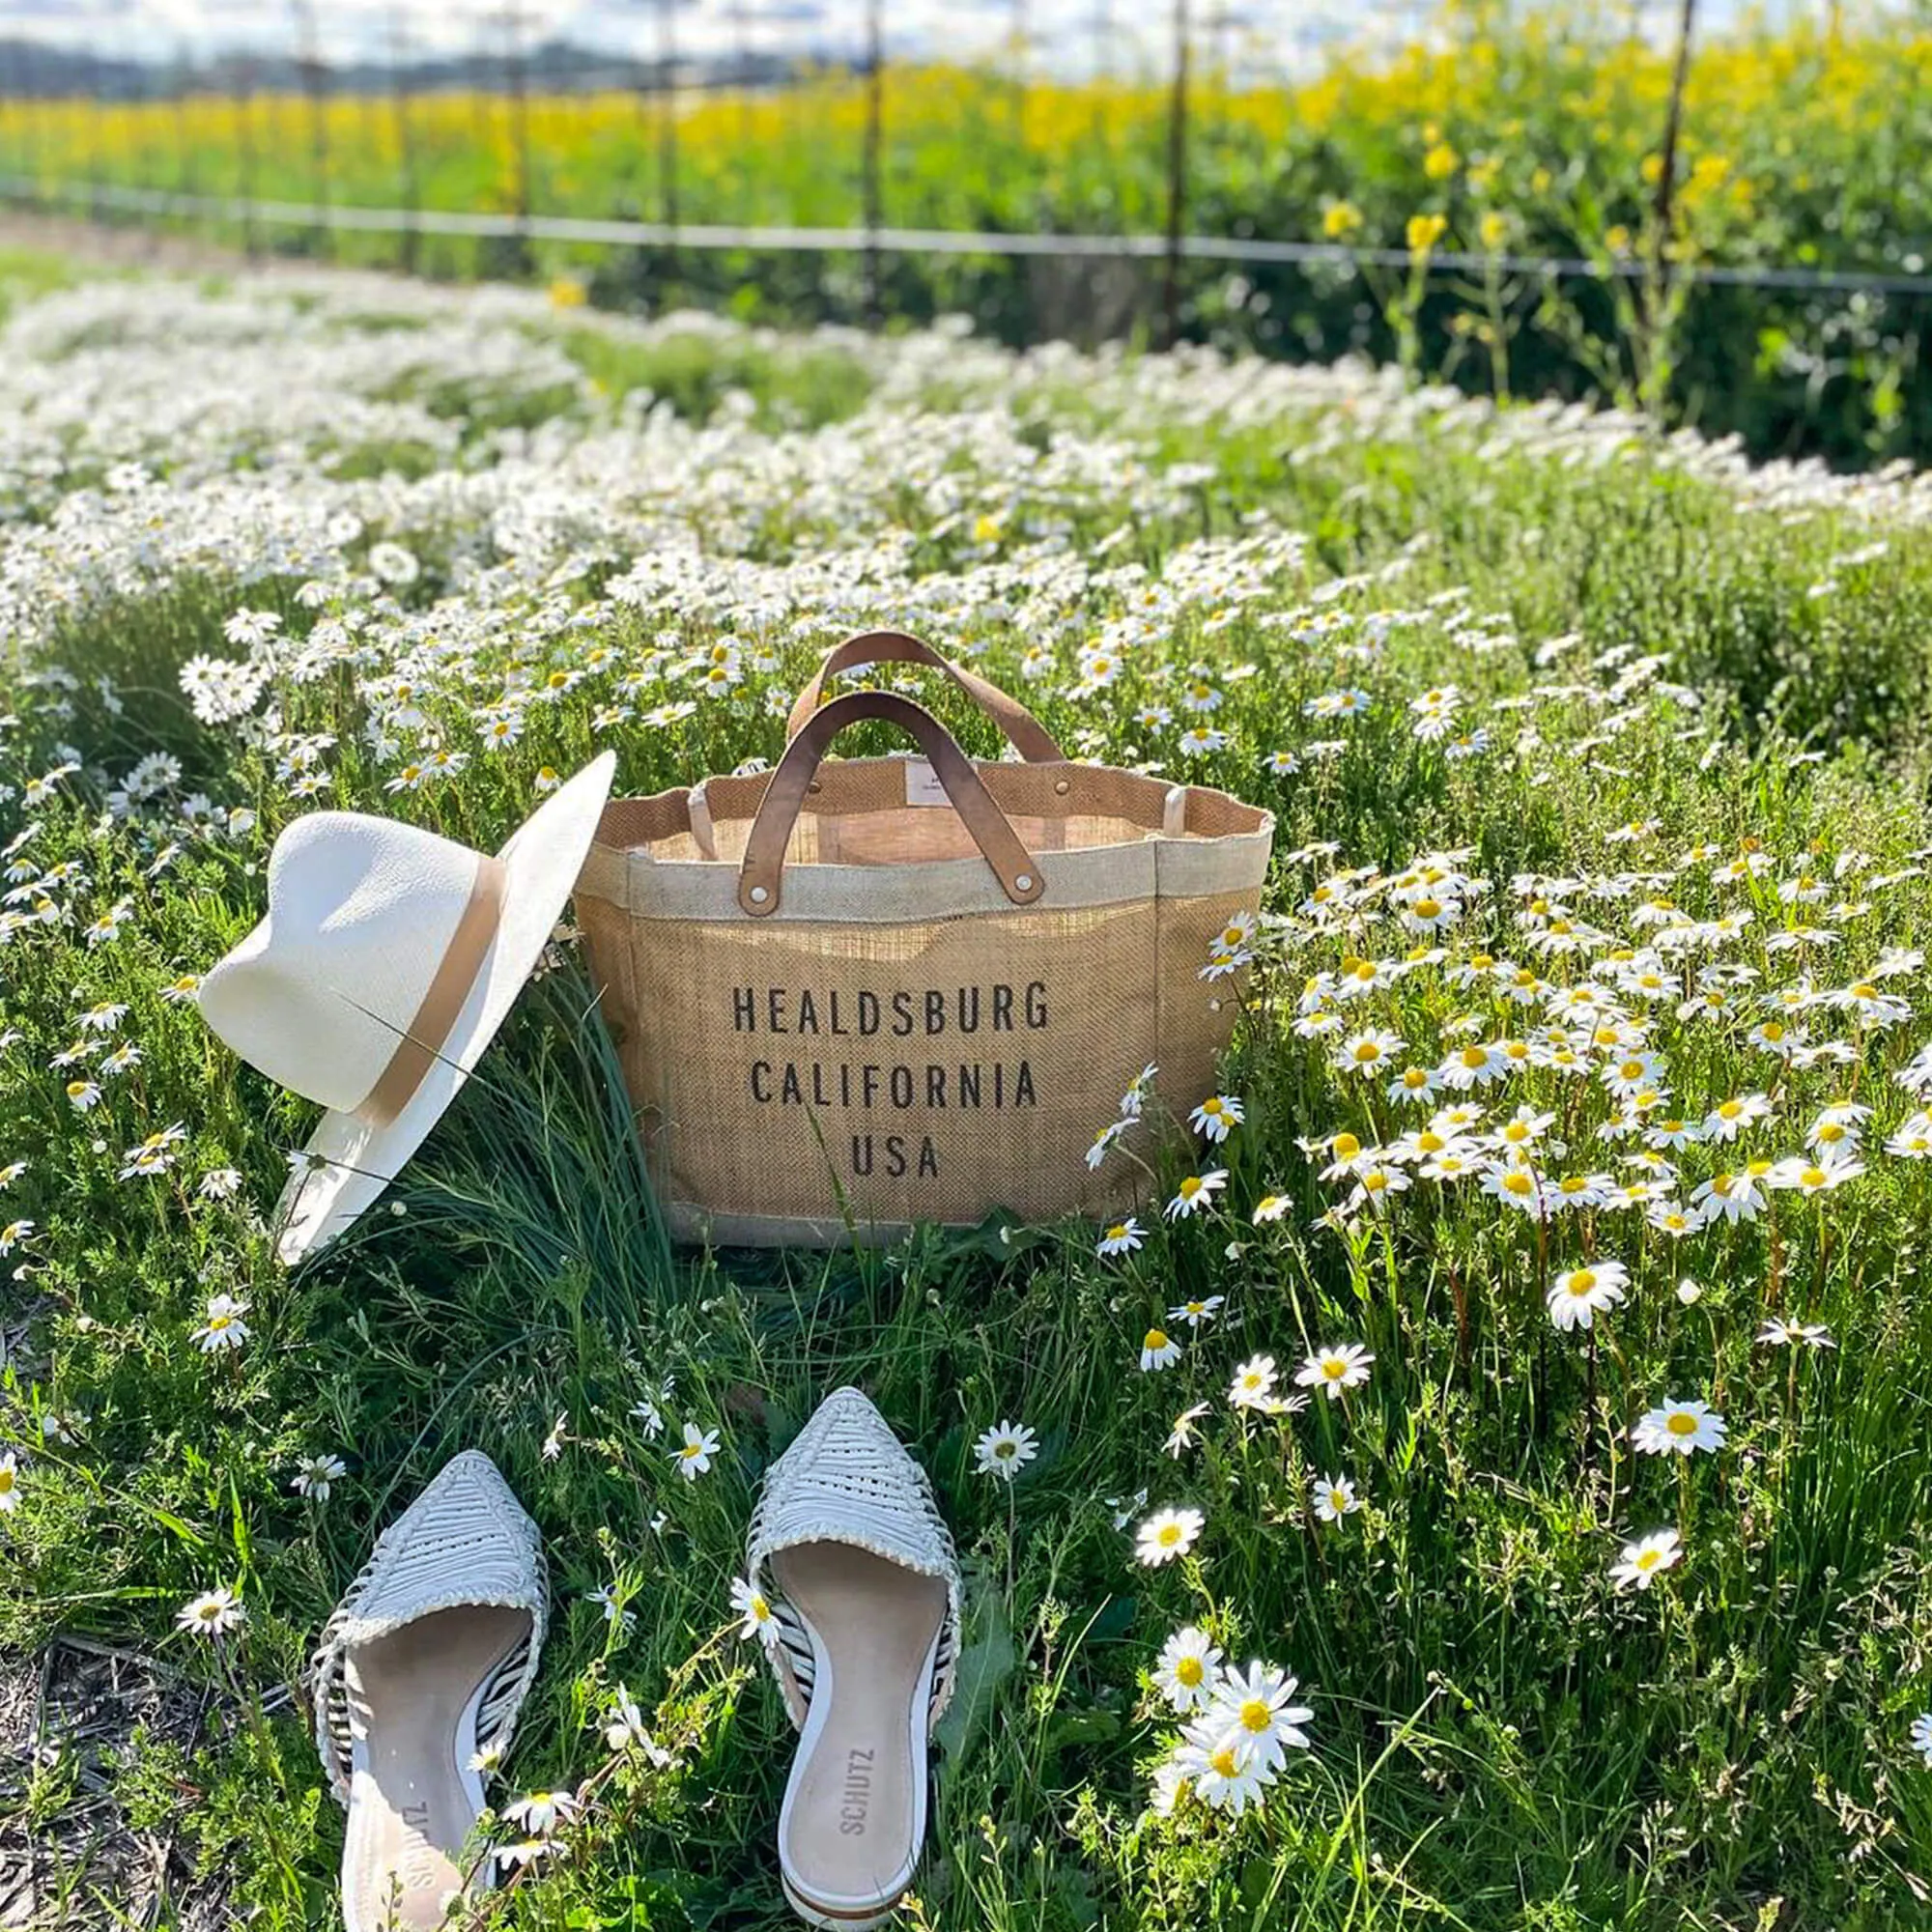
422	1041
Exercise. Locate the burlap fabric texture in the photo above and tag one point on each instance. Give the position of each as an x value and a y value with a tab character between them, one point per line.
856	995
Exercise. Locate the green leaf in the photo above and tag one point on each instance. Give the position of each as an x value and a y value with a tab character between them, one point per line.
984	1667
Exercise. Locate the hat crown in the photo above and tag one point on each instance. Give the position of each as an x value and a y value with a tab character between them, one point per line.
361	913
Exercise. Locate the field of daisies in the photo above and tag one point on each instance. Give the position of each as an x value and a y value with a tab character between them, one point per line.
1488	1483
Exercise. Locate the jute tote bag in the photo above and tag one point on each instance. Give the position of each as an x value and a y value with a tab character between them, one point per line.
852	996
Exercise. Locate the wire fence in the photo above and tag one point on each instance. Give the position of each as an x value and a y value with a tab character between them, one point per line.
888	241
667	52
1131	173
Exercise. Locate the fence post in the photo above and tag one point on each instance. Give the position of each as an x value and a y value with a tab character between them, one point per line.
20	141
1020	34
519	128
406	152
666	65
872	157
667	107
1177	177
97	136
741	61
1673	123
309	61
184	177
1101	22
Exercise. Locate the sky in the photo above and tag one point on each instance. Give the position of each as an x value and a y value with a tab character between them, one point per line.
1064	36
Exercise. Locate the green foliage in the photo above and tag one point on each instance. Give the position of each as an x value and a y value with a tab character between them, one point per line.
1501	1740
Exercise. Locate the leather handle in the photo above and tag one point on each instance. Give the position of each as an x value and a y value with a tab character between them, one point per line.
1027	735
760	876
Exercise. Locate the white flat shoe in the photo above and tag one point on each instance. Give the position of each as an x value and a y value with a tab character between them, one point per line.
424	1664
865	1590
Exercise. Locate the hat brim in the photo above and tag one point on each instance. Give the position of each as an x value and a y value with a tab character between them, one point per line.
350	1160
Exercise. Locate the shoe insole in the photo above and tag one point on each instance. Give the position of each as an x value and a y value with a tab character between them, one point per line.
854	1802
412	1700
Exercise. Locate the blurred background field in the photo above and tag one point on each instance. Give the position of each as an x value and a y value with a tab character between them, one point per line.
1727	221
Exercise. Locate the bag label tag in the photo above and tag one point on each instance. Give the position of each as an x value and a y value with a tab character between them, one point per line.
921	783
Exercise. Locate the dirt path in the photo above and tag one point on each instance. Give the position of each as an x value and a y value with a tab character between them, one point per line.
123	246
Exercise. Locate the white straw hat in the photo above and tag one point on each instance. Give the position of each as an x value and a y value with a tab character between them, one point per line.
388	958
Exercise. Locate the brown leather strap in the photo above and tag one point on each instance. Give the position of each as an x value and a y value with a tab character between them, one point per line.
759	876
422	1041
1027	735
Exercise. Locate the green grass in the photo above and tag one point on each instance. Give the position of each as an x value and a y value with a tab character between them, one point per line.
25	273
1500	1739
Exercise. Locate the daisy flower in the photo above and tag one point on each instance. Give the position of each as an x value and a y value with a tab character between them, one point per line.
1678	1429
1780	1334
1254	1383
1258	1706
1818	1176
214	1613
1217	1117
1211	1764
1367	1052
1195	1313
1335	1497
1166	1534
1158	1350
1921	1737
10	1483
1343	1365
1578	1295
756	1619
314	1474
541	1812
1641	1562
1121	1238
624	1727
1195	1193
604	1596
1187	1669
223	1328
523	1852
1005	1450
694	1458
1183	1434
